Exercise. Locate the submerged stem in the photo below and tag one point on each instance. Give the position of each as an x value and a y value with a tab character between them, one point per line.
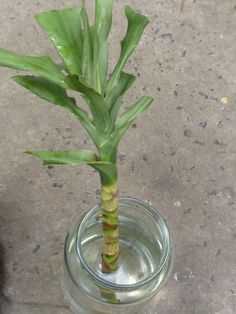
110	227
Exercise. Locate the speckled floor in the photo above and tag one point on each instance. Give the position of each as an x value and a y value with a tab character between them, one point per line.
180	156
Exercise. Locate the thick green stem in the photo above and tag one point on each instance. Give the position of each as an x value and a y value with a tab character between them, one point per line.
110	227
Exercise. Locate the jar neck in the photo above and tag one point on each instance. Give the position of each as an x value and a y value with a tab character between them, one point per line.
159	232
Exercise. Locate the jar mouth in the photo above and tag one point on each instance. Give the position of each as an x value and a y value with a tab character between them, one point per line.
101	281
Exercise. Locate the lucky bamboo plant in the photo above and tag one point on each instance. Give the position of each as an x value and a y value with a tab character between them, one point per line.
83	49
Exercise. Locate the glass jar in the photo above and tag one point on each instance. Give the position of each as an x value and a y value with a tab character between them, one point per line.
145	260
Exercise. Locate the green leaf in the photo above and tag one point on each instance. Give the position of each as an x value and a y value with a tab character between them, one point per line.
58	96
125	82
40	65
96	102
103	20
64	30
47	91
108	149
133	111
87	59
107	170
64	158
136	26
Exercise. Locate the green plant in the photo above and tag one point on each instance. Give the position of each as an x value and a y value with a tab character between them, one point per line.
84	52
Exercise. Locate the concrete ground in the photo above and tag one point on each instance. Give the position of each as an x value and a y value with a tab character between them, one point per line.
180	156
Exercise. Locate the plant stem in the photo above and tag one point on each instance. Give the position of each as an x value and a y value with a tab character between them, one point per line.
110	227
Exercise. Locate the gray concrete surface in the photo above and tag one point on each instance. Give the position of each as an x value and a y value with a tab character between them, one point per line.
180	156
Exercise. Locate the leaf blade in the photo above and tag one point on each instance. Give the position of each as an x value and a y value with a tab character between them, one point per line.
87	57
125	82
96	102
136	26
46	90
108	150
133	111
43	65
107	170
57	96
64	157
103	20
63	28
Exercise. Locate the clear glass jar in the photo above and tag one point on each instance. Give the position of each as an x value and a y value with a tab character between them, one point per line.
146	255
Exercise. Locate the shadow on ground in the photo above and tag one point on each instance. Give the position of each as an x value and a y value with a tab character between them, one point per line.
2	275
3	298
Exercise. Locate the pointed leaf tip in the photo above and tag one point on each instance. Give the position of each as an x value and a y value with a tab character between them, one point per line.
65	157
28	152
129	11
133	111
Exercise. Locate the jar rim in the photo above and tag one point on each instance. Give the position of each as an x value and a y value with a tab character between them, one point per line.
110	285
